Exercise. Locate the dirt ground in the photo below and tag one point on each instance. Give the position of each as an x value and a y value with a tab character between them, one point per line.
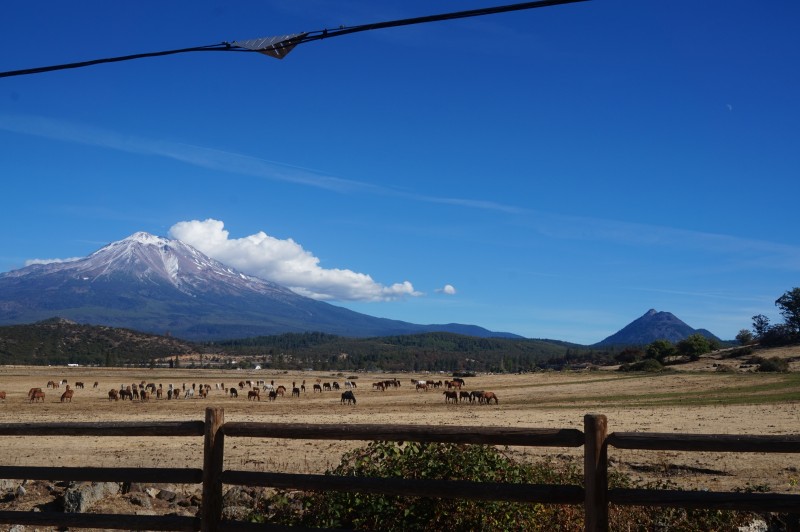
699	401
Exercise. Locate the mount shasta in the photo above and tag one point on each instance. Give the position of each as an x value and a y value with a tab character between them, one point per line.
163	286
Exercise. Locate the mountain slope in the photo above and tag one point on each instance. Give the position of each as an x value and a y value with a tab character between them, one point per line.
653	325
164	286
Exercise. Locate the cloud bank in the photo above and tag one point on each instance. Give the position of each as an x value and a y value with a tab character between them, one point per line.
285	262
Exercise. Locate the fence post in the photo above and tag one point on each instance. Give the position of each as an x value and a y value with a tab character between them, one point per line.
595	473
213	449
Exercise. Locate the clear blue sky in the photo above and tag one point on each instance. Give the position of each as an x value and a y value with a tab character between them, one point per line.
554	172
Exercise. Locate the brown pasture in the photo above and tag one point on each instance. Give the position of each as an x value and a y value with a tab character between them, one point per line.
700	401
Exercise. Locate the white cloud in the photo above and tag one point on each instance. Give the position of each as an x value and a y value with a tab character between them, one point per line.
448	289
50	261
285	262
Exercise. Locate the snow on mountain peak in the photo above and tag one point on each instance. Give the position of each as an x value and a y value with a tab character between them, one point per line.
143	237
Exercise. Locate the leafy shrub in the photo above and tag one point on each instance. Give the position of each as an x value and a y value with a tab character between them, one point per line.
439	461
773	364
739	352
649	365
479	463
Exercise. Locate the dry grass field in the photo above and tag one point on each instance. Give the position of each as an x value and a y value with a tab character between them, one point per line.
697	399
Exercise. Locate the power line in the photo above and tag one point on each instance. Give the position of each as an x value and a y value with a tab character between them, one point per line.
278	47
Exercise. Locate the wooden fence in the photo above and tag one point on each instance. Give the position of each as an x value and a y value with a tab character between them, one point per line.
595	495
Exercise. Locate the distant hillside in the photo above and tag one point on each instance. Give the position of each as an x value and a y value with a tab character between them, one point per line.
653	326
60	342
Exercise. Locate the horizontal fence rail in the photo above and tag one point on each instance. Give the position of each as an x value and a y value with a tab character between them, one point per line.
447	489
103	521
105	428
154	475
655	441
594	495
416	433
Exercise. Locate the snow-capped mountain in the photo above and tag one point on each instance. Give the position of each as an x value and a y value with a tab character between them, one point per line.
159	285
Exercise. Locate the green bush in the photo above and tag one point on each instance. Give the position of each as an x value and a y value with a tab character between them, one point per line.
479	463
649	365
773	364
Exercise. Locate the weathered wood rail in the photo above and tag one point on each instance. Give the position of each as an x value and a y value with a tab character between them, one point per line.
594	495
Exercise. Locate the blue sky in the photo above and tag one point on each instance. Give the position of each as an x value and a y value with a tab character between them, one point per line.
554	172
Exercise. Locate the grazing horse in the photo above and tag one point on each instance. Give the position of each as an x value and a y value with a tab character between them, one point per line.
450	397
234	393
79	384
113	395
318	388
33	391
326	386
348	397
3	396
421	385
463	396
379	386
126	393
280	390
272	395
96	384
37	395
253	395
67	395
476	395
488	396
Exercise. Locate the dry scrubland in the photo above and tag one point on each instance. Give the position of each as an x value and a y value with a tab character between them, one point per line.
694	400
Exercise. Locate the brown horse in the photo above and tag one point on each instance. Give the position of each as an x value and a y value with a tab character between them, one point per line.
3	396
253	395
450	397
488	396
113	395
32	391
67	395
37	395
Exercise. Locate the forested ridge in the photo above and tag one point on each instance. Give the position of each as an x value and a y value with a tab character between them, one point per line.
60	342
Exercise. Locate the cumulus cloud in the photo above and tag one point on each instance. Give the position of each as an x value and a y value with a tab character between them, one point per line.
448	289
285	262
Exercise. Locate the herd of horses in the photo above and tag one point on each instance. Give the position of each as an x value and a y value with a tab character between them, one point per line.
144	391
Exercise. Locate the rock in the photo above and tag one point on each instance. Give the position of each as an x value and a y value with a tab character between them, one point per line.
756	526
152	492
80	496
132	487
237	496
167	495
236	513
140	499
17	528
